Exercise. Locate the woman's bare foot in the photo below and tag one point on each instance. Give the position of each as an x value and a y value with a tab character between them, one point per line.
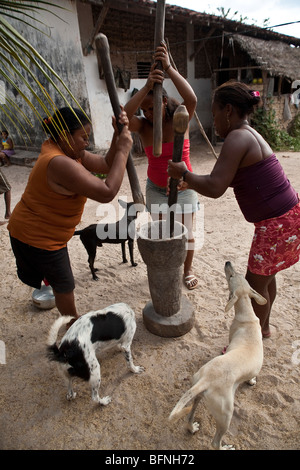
266	333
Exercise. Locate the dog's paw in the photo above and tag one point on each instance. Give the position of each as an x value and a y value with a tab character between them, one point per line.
227	447
252	381
105	400
138	369
71	395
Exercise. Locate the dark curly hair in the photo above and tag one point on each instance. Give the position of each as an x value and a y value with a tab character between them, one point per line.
64	119
171	105
239	95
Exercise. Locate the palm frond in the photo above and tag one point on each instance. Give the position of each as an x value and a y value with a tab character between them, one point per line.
18	59
13	119
7	8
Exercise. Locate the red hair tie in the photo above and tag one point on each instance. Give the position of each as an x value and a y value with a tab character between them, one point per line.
255	93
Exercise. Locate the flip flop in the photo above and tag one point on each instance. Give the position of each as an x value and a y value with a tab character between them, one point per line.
189	281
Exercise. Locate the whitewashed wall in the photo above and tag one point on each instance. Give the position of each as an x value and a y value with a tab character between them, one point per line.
58	41
101	111
62	47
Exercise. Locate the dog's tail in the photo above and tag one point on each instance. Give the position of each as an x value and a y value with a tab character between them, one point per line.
52	349
181	409
77	232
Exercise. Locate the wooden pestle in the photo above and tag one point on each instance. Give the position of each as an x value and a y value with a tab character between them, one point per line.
157	89
180	125
103	48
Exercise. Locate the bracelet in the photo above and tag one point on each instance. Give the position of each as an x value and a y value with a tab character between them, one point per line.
183	174
168	67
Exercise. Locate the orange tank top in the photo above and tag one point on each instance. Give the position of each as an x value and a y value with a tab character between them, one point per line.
43	218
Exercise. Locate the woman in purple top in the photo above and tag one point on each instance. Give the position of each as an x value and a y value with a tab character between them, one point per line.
262	190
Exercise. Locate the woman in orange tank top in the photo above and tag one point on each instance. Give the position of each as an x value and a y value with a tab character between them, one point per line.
51	206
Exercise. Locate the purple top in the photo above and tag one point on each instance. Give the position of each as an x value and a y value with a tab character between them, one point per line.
263	191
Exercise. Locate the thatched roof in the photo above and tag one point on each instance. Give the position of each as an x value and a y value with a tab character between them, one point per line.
278	58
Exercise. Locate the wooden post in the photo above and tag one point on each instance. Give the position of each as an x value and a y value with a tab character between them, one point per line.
195	113
180	124
103	47
157	89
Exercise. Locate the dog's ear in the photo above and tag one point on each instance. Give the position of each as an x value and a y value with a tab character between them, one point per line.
122	203
232	300
257	297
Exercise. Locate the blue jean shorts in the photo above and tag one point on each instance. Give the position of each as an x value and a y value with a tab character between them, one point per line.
157	200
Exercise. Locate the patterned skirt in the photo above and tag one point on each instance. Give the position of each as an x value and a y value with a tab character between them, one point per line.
276	243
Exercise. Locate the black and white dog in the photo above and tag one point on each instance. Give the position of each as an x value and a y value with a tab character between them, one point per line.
98	330
121	232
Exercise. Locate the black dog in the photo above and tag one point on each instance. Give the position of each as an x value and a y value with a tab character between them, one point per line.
96	234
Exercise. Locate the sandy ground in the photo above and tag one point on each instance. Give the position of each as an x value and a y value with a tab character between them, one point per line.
34	412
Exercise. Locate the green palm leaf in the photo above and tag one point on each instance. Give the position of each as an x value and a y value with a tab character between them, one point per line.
18	59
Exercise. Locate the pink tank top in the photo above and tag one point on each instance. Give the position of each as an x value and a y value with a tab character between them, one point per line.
157	168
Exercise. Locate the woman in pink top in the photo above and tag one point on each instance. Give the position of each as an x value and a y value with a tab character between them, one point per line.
262	190
157	182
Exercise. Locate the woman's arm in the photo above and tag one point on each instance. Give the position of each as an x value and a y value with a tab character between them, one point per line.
215	184
100	163
131	107
134	103
67	176
183	87
10	143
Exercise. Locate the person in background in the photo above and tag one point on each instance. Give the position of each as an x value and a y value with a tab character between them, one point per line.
157	182
263	191
5	189
53	201
7	148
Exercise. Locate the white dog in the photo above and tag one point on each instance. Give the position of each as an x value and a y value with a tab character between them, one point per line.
100	330
218	380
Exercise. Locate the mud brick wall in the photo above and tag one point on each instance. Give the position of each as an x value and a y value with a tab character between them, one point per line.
131	40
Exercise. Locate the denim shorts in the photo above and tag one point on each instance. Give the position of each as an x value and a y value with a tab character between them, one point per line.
34	265
157	200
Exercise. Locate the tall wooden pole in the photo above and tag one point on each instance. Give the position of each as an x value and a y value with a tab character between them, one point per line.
180	124
157	89
103	48
195	113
